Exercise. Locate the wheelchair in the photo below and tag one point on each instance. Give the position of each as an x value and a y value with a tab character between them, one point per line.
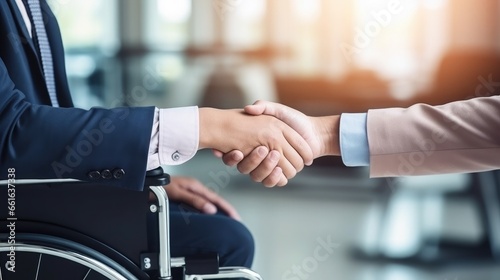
78	230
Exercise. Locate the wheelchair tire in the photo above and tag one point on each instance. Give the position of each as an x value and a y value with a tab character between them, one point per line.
41	257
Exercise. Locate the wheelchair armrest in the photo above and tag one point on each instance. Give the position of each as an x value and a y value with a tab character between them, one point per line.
156	177
154	172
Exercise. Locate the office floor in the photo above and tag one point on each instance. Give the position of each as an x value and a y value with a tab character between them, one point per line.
308	231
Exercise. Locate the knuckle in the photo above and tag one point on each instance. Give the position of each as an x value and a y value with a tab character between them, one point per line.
227	159
242	169
273	180
269	164
254	161
256	177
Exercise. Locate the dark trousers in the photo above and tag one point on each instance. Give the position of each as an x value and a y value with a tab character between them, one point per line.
194	233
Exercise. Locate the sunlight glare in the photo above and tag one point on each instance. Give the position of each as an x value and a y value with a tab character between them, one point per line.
176	11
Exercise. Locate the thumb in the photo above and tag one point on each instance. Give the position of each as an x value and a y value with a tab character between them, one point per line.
259	107
290	116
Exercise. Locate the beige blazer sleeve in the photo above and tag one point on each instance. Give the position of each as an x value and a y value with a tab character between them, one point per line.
462	136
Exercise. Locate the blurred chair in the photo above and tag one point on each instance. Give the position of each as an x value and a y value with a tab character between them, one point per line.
406	224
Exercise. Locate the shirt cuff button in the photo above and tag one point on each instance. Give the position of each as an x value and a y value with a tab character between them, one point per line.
176	156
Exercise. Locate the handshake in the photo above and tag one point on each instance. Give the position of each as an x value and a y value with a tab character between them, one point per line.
269	141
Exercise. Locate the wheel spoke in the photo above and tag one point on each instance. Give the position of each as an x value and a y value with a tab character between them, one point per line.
87	274
38	266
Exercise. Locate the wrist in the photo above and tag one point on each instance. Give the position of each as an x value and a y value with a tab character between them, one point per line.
208	127
328	132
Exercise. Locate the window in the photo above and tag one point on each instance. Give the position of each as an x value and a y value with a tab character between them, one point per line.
401	40
167	23
90	23
243	22
90	35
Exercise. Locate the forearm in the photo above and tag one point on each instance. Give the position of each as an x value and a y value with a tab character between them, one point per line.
461	136
77	143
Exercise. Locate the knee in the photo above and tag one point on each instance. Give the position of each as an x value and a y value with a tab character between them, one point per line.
244	241
237	246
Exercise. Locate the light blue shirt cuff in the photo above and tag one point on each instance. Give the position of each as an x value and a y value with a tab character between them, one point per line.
354	140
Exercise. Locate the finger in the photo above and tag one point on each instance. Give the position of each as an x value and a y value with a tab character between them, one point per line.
290	161
254	159
215	199
232	158
276	178
226	207
301	147
257	108
288	169
269	108
290	157
266	167
293	118
217	153
193	199
283	180
278	110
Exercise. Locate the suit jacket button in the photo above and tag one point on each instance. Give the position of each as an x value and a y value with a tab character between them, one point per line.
106	174
118	173
94	175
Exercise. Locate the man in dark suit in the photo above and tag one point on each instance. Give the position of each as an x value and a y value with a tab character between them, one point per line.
43	136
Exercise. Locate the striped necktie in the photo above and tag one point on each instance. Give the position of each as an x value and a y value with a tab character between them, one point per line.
43	45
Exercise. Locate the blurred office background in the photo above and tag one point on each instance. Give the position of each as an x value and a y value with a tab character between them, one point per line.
321	57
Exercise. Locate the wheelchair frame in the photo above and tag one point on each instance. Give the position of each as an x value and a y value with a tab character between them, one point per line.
105	265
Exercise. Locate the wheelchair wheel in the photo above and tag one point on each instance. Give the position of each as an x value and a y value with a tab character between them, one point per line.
55	259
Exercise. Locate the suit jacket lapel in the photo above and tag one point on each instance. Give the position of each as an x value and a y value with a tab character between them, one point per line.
21	26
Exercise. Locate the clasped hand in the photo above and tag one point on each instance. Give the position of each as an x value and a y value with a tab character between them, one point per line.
269	141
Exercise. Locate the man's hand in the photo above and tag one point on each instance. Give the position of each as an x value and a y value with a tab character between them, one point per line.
321	134
227	130
268	172
192	192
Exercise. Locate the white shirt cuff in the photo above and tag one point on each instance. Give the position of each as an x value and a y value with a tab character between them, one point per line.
178	135
354	140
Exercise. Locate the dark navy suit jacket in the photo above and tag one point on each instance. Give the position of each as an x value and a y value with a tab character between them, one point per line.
40	141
